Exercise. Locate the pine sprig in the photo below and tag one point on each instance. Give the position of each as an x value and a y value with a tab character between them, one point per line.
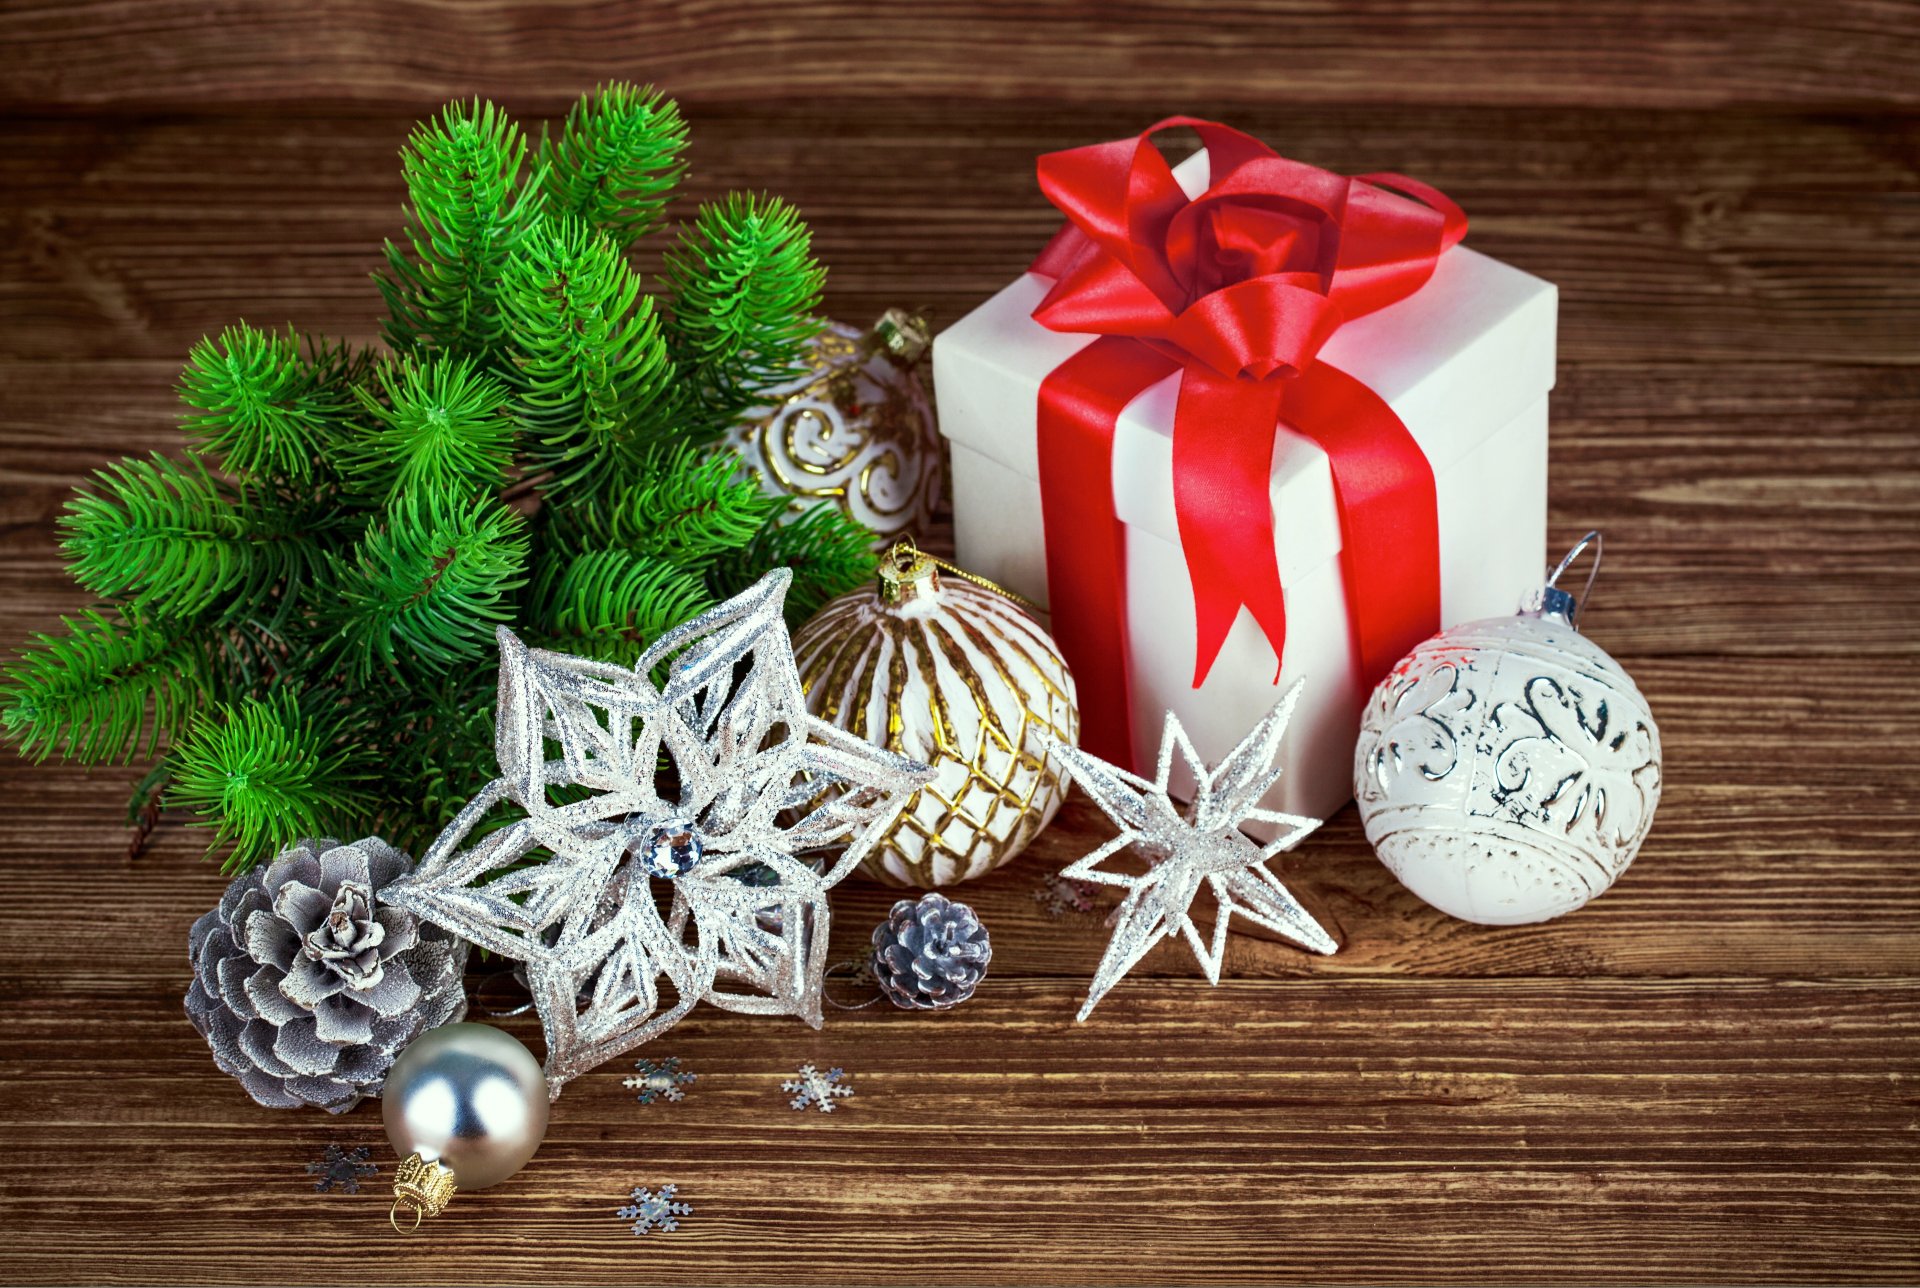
104	690
610	604
468	210
589	359
299	611
441	428
828	553
156	532
266	772
445	754
427	583
746	290
165	537
260	407
688	507
616	160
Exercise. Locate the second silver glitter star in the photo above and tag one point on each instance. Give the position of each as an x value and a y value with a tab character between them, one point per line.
1184	850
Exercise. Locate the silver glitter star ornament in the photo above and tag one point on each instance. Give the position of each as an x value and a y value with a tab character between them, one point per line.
678	789
1200	846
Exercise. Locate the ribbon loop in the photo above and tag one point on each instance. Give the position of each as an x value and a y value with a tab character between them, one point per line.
1238	290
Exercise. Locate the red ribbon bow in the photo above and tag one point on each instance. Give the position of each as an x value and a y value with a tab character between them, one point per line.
1237	290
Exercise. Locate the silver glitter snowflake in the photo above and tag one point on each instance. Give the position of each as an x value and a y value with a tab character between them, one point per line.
814	1088
749	769
654	1211
660	1080
342	1169
1184	849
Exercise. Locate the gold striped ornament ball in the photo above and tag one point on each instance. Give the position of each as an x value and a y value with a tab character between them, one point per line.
931	665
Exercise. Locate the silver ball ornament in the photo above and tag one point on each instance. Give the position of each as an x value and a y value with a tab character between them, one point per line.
469	1098
1508	769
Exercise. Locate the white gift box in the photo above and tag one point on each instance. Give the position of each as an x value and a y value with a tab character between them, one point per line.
1466	362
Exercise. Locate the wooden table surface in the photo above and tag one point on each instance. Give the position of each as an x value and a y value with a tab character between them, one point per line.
1709	1074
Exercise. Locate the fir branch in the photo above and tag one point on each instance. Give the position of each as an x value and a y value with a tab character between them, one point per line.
441	429
143	807
266	772
469	210
688	506
252	658
589	360
253	401
103	690
616	160
610	604
829	554
165	537
425	585
445	754
534	374
745	291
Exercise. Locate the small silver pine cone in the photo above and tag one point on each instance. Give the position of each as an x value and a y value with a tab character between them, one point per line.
306	987
930	953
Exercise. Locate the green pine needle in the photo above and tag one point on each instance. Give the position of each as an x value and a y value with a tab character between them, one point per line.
265	772
616	161
426	585
445	752
745	291
441	430
828	553
589	359
257	405
688	506
610	604
468	211
103	690
162	535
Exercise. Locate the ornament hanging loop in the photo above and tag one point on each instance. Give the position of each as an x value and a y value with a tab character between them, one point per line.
393	1217
855	970
1552	601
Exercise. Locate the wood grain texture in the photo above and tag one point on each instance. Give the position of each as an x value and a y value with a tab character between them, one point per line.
1727	237
1707	1075
1386	1129
1598	53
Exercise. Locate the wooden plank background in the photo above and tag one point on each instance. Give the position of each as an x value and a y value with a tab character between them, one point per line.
1708	1075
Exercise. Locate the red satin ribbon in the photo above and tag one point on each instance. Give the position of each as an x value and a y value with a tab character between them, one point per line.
1237	290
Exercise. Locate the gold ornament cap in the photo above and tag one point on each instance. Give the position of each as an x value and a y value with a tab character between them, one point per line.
902	335
908	573
422	1188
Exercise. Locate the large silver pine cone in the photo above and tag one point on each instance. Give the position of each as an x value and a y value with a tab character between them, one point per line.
306	987
930	953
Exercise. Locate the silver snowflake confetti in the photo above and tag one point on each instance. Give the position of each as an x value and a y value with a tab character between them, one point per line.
660	1080
1203	844
1060	896
751	769
814	1088
342	1169
652	1210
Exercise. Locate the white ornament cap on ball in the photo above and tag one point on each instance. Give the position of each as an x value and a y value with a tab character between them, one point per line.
1508	769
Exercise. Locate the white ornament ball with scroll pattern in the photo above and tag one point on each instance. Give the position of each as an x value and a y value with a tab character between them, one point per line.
856	430
1508	769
